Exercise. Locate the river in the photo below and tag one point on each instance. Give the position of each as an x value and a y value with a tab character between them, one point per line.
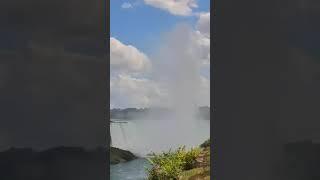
142	137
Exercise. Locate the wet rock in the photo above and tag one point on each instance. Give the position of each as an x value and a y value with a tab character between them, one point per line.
118	155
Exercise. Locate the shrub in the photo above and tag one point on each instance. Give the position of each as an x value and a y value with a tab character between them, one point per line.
205	144
169	165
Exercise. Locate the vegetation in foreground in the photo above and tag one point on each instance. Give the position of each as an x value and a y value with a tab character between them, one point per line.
181	164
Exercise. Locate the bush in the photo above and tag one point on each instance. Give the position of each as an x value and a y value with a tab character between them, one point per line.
205	144
169	165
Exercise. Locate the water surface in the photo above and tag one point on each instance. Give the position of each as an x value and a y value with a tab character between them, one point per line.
134	170
142	137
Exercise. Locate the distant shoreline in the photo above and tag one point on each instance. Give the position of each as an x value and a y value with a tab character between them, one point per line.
142	113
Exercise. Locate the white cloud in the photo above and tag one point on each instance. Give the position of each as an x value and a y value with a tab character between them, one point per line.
202	37
126	5
127	58
175	7
127	91
202	43
203	24
204	95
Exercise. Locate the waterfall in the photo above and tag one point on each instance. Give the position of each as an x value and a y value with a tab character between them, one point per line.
123	134
118	134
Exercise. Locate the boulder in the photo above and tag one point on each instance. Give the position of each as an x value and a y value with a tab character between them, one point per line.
118	155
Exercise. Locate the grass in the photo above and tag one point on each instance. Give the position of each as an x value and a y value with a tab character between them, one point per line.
181	164
196	173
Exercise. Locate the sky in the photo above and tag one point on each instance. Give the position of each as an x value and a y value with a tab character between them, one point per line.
138	29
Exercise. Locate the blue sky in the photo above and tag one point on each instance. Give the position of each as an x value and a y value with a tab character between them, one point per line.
138	29
143	25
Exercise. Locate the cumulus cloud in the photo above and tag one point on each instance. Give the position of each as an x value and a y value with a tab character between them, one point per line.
202	37
202	42
184	50
203	24
126	5
128	91
204	94
127	58
175	7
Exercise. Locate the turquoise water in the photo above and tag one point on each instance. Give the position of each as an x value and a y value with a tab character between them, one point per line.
142	137
134	170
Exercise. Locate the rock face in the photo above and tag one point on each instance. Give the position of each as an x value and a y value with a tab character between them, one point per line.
118	155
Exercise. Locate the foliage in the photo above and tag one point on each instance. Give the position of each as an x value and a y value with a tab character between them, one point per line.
196	173
169	165
205	144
